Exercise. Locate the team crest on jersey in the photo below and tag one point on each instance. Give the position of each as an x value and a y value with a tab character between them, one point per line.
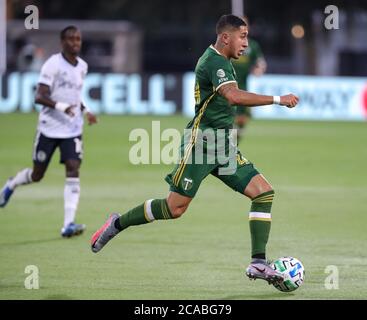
187	184
221	73
41	156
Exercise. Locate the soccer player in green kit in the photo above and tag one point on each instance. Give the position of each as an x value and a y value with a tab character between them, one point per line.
252	61
216	93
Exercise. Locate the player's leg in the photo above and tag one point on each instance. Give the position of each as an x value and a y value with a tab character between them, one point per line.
71	190
261	193
23	177
38	172
171	207
184	182
248	181
43	150
71	154
177	204
71	199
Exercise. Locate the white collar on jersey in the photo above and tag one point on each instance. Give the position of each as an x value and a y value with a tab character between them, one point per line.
212	47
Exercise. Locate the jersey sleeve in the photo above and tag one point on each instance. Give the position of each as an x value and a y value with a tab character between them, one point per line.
48	72
221	72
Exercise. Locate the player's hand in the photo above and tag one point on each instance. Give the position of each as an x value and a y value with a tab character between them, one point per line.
70	111
289	100
92	119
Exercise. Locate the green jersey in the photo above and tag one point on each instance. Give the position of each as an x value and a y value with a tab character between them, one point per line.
200	157
211	109
246	62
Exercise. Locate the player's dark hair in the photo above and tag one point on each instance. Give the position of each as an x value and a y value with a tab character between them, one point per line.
65	30
228	21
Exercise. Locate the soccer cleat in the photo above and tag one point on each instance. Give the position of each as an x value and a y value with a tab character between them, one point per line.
263	271
105	233
72	229
5	194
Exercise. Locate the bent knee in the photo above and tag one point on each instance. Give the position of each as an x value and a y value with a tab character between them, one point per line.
265	186
37	177
177	212
257	186
265	192
268	188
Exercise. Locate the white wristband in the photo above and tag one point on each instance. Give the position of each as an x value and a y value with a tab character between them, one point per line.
61	106
276	99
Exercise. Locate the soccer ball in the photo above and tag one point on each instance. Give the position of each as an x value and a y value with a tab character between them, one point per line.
293	272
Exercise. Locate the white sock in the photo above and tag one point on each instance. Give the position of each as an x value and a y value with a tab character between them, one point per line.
22	177
71	199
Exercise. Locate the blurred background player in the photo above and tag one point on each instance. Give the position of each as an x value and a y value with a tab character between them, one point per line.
252	61
30	58
60	125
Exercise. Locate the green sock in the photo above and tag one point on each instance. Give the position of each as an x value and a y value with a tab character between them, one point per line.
260	222
147	212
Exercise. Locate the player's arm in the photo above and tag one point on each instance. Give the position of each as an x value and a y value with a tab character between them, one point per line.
92	119
237	97
43	96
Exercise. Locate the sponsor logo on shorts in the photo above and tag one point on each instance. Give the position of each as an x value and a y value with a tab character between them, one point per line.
187	184
41	156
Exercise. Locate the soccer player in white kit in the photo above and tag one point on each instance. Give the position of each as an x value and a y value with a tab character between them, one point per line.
60	125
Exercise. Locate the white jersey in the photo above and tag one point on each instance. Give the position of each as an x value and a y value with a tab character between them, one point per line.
66	82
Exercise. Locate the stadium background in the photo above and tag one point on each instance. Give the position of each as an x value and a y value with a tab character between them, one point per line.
141	56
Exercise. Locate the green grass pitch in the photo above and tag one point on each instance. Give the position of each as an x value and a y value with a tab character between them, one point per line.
318	171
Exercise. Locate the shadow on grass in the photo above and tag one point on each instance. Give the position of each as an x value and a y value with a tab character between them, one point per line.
24	243
185	262
58	297
259	296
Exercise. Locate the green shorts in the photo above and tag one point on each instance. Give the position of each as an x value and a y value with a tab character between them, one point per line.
246	111
187	176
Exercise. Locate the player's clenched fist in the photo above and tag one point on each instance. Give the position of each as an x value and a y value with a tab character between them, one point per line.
289	100
92	119
70	111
